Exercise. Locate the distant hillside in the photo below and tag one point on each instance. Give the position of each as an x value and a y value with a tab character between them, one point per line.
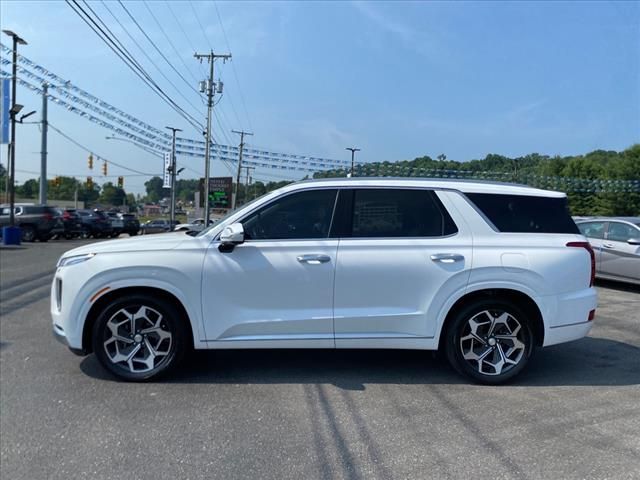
598	183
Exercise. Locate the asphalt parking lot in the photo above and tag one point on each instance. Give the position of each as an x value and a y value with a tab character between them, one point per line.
575	412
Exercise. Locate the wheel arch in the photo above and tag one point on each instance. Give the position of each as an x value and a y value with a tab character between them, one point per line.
105	299
521	299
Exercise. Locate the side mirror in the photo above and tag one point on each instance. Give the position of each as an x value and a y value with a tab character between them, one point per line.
231	236
634	241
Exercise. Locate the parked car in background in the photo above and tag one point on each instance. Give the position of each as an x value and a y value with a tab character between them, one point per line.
117	224
95	223
71	222
131	225
159	225
196	226
616	241
485	272
36	222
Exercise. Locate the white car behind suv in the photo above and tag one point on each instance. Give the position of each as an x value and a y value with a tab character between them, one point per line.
485	272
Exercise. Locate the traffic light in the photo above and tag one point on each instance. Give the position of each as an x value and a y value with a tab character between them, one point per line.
89	183
56	181
121	182
90	161
104	168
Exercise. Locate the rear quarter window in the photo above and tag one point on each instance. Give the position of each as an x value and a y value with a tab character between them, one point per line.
525	214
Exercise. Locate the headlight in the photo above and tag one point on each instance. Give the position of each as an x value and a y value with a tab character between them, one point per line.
66	261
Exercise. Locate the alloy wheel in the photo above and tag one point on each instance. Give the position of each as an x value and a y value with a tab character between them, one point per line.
137	339
493	342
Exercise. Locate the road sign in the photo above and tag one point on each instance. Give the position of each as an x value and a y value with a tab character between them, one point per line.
4	110
167	170
220	189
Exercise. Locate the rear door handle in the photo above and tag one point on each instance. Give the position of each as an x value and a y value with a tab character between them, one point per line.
314	259
447	257
607	245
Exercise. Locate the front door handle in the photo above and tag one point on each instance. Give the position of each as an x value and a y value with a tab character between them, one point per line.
447	257
607	245
314	259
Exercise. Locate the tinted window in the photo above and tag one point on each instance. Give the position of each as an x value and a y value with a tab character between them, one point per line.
592	229
621	232
523	213
399	213
302	215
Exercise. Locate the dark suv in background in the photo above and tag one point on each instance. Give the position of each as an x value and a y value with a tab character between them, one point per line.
36	222
71	222
131	224
95	223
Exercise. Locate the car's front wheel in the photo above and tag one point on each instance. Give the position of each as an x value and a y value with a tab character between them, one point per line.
489	341
139	337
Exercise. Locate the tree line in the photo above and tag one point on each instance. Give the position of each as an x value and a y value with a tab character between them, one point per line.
597	183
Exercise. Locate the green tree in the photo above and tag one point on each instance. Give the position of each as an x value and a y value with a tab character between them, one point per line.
111	195
154	189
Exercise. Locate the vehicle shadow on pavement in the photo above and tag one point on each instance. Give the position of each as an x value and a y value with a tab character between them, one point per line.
620	286
586	362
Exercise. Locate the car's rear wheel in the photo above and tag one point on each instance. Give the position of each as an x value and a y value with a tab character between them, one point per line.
139	337
28	233
489	341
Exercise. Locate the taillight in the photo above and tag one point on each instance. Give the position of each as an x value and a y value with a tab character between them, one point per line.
66	215
587	246
48	216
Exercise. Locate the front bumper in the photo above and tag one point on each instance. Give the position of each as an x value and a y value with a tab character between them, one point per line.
58	334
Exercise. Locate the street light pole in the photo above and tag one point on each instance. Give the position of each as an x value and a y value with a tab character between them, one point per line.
173	175
14	111
353	152
43	147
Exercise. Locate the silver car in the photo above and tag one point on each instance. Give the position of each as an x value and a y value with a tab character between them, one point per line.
616	241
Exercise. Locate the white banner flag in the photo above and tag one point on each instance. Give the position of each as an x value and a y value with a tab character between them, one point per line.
167	173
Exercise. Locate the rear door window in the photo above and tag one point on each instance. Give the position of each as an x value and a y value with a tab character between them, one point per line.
525	213
393	213
592	229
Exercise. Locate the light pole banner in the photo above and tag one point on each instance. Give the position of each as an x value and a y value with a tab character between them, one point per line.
167	170
4	110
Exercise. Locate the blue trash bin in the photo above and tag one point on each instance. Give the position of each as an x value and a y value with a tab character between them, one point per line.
11	235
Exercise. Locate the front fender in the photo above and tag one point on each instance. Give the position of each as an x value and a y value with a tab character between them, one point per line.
173	281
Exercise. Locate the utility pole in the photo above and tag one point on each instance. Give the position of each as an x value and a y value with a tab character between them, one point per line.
42	198
242	133
353	152
247	182
172	216
208	86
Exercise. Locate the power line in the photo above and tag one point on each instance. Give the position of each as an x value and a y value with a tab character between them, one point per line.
144	52
175	50
156	47
175	17
89	150
235	74
130	62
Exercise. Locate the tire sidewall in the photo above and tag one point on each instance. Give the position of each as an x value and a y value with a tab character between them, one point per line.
174	321
455	328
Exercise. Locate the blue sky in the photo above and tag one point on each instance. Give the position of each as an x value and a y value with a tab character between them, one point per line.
399	80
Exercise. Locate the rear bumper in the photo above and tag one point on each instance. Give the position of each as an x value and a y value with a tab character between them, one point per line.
567	315
567	333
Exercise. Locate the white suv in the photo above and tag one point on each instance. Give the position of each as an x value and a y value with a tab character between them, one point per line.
485	272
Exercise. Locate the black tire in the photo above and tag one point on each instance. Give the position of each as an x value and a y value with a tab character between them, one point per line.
27	233
493	347
44	238
86	233
173	322
133	234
